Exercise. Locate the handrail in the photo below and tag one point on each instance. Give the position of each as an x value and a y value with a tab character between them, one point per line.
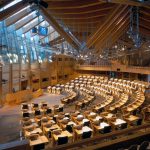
113	67
108	65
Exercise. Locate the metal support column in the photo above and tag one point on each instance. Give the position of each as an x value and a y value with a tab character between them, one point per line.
10	78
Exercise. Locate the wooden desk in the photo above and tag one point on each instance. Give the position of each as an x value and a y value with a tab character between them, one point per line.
100	126
78	133
63	133
97	108
83	121
30	126
96	118
78	116
49	122
132	118
117	123
147	110
32	120
90	114
108	116
41	140
63	126
53	127
36	130
60	120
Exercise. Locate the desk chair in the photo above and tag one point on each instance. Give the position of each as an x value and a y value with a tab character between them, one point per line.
101	110
50	133
48	111
137	123
56	108
39	147
37	112
86	135
25	114
54	118
62	140
86	123
134	112
106	129
67	115
122	126
25	107
69	128
44	105
83	105
61	109
35	105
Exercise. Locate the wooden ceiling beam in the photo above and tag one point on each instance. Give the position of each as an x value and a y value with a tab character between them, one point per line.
84	17
13	19
146	27
145	13
144	19
82	11
78	16
81	33
85	21
73	4
145	23
59	29
81	24
91	39
118	33
144	31
110	19
121	18
110	32
11	10
81	29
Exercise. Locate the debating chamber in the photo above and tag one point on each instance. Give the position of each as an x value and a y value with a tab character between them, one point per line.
74	74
